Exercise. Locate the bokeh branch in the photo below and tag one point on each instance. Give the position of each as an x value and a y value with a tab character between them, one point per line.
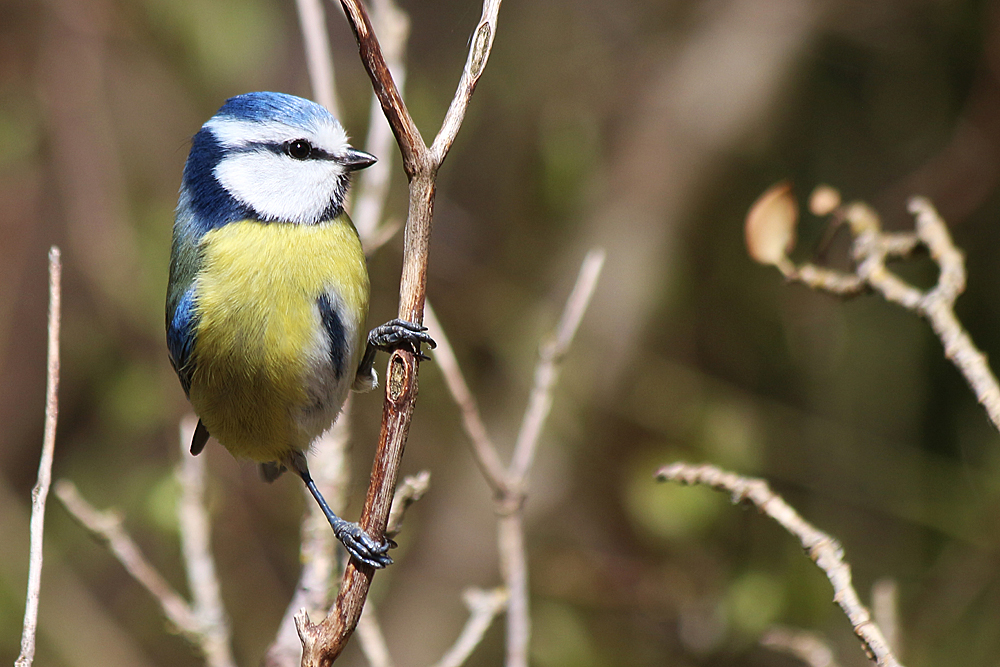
806	646
770	236
825	551
322	643
203	622
40	493
510	483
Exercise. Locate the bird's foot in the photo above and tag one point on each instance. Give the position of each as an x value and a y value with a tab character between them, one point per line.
361	545
398	333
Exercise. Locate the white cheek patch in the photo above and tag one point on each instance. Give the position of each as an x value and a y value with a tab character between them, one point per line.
275	185
279	187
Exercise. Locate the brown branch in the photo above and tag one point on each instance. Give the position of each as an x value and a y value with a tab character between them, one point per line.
372	190
322	643
825	551
411	144
40	493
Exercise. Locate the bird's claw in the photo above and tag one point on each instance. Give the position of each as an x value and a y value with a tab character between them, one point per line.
362	546
398	333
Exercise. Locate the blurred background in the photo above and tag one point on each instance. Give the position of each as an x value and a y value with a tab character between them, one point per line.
644	126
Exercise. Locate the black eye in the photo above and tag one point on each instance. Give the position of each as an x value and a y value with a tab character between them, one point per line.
300	149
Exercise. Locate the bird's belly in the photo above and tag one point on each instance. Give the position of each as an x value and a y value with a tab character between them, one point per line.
265	380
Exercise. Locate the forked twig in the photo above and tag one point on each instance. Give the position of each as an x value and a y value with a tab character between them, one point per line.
771	222
323	642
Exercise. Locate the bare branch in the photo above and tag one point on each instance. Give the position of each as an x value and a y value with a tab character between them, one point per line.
312	20
410	491
214	635
483	607
393	25
483	449
885	609
510	485
546	373
513	559
203	622
806	646
479	52
514	568
411	144
372	641
318	544
825	551
40	493
323	643
938	306
871	249
108	527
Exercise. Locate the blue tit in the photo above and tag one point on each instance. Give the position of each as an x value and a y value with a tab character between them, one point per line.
268	291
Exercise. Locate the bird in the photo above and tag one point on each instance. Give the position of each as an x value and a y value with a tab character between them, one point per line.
268	290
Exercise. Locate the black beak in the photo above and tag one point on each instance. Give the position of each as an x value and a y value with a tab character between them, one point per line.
353	159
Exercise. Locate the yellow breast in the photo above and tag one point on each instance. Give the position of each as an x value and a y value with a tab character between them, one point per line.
262	382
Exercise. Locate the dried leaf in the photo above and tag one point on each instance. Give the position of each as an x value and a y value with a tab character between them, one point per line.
770	225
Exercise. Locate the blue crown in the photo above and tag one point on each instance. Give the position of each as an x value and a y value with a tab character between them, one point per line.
283	108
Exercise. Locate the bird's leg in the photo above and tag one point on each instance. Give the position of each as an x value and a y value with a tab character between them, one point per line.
359	544
390	336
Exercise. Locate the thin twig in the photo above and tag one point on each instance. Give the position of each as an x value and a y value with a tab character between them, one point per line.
479	52
885	609
202	622
372	640
483	450
393	26
108	527
214	636
40	493
318	548
546	373
513	558
410	491
483	608
312	20
514	568
825	551
870	250
806	646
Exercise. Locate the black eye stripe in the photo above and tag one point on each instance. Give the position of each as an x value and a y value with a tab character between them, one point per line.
282	149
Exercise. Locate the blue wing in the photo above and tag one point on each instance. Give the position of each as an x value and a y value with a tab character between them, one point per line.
180	337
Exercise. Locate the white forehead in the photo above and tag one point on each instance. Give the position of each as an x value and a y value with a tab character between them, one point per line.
324	133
